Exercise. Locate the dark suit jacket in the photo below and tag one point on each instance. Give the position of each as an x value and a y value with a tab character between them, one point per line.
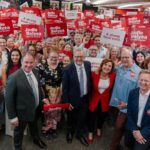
132	114
20	101
70	83
97	97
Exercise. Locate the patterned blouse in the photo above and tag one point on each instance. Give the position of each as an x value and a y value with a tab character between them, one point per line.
50	77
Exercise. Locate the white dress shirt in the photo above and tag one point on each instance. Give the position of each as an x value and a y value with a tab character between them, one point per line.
142	103
35	82
84	76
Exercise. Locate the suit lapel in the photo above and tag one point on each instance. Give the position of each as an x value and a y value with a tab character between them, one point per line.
147	107
136	103
75	74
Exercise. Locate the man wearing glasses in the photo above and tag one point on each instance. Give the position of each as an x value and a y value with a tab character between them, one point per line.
126	80
76	87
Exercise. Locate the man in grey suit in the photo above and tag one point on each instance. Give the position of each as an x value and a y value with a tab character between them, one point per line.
23	101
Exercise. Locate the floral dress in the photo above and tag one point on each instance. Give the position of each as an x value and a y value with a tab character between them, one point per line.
50	80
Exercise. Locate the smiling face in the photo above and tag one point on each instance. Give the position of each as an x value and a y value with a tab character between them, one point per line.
144	81
126	58
79	57
15	56
28	63
68	47
140	58
107	67
53	58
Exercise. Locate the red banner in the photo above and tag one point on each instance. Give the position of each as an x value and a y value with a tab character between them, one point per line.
63	106
96	27
32	10
135	20
52	14
139	35
89	13
81	23
32	32
57	29
71	25
6	27
15	23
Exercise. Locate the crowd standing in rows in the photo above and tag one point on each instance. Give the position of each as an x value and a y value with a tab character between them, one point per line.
54	71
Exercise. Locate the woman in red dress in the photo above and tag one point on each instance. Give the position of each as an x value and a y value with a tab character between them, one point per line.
14	63
99	102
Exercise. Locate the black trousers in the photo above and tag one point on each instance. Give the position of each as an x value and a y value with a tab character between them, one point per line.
96	116
19	131
132	144
76	118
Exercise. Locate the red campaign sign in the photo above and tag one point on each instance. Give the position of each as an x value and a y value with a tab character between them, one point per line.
32	32
91	20
52	14
71	25
51	21
105	22
96	27
15	23
56	29
6	27
135	20
140	36
32	10
81	23
89	13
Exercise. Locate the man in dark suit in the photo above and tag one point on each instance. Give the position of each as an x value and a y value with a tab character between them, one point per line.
138	115
76	87
23	100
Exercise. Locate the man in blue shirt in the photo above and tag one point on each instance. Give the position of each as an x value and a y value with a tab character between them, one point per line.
126	80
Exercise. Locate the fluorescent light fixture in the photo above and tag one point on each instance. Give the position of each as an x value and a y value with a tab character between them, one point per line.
101	1
133	5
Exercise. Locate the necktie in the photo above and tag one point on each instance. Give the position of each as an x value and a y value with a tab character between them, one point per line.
31	82
81	82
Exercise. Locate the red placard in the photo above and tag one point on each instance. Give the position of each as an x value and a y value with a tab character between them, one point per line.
139	35
89	13
56	29
96	27
32	10
81	23
135	20
15	23
6	27
32	32
52	14
71	25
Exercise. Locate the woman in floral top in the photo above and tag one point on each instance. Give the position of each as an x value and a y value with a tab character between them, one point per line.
51	77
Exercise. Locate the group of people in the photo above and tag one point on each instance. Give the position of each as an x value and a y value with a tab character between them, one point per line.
54	71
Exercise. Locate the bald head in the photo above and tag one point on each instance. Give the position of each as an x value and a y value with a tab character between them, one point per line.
126	57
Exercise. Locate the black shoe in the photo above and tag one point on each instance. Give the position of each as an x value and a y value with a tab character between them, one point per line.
39	143
54	134
83	141
69	137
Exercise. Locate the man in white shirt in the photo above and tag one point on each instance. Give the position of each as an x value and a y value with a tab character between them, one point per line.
76	87
138	115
